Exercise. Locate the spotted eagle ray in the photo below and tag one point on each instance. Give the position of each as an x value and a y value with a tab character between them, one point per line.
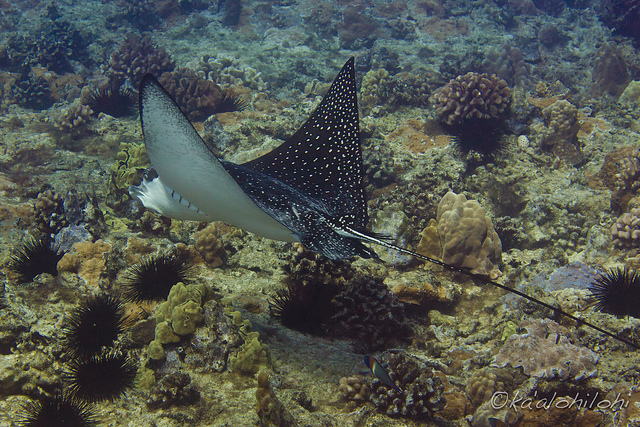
308	190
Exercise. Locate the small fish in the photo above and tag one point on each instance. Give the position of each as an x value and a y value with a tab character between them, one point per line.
380	372
494	422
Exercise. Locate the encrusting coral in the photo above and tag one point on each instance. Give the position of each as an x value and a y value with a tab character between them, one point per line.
472	96
467	236
545	351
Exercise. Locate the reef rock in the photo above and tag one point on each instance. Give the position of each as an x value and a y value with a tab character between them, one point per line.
546	352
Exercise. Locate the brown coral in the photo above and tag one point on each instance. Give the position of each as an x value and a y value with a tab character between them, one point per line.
198	98
481	386
49	210
560	130
508	63
467	236
625	232
354	388
71	117
420	392
136	57
610	71
472	96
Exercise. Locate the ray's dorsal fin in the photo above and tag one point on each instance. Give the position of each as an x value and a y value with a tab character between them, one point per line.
323	158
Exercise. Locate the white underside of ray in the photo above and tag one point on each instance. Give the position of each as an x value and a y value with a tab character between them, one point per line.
185	164
159	198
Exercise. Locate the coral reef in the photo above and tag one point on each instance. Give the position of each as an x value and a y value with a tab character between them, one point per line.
369	314
178	316
467	236
610	71
87	259
625	232
49	210
271	412
174	389
472	96
355	388
131	160
405	88
482	384
136	57
227	71
210	245
32	91
199	98
421	390
252	357
72	116
508	63
545	351
54	47
560	130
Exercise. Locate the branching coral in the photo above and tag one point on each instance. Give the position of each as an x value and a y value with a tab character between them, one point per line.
421	390
136	57
379	87
32	91
545	351
472	96
72	117
227	71
49	211
198	98
467	236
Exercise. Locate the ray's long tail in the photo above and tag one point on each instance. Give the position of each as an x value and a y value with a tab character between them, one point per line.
494	283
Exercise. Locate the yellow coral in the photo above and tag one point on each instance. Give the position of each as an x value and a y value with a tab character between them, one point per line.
210	245
467	236
130	159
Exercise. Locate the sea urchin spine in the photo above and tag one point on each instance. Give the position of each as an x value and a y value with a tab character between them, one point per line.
617	292
95	324
106	376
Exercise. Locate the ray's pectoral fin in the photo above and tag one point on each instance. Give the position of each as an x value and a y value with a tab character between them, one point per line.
188	167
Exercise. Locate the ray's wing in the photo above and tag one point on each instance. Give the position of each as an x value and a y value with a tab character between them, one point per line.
323	158
188	167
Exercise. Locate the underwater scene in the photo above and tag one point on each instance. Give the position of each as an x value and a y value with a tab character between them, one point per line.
320	213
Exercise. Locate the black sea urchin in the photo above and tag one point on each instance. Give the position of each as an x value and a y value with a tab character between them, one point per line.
36	256
617	292
56	412
106	376
305	308
116	103
95	324
153	277
231	101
